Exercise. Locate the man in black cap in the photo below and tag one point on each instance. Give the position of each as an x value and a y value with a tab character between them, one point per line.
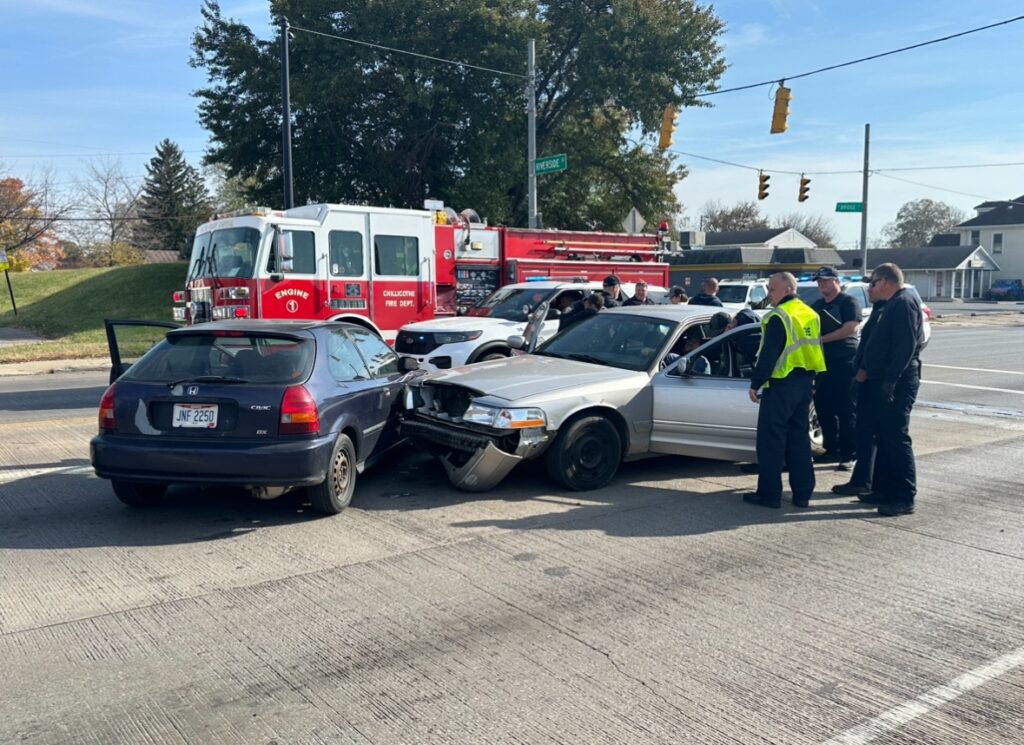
677	296
611	288
840	316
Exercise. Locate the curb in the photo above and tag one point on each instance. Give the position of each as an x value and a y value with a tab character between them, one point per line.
49	367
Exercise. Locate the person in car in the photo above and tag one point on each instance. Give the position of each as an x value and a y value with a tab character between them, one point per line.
640	296
611	288
592	304
839	314
708	294
569	302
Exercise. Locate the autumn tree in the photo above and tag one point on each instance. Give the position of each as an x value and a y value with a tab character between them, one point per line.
719	218
386	128
816	227
173	203
29	214
917	221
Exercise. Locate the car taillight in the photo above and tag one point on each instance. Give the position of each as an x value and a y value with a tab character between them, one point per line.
107	423
299	415
179	296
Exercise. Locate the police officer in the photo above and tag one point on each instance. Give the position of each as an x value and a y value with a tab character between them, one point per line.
890	374
839	315
708	294
640	296
611	288
789	356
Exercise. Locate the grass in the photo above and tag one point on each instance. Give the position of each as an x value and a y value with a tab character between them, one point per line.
67	307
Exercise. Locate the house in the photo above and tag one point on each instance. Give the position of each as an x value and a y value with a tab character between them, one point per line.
938	271
999	227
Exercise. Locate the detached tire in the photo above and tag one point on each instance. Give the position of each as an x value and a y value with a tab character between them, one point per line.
138	494
586	454
334	493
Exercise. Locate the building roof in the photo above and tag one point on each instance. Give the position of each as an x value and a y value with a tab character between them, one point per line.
742	237
752	257
1008	212
924	257
945	239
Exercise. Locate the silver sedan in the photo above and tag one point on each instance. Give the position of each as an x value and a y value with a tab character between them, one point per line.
624	384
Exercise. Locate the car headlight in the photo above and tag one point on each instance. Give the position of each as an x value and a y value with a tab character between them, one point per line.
455	338
499	418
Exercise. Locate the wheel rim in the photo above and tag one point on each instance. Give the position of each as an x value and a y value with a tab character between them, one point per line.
591	456
341	472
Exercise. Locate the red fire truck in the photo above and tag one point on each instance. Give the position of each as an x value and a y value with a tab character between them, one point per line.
384	267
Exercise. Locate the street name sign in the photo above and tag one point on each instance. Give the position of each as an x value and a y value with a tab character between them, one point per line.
849	206
550	164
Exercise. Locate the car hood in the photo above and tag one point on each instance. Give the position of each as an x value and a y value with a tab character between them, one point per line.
527	376
462	323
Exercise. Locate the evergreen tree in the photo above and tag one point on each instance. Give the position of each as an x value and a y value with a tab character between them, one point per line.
174	202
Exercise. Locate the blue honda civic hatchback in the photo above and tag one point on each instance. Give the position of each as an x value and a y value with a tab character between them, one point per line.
270	406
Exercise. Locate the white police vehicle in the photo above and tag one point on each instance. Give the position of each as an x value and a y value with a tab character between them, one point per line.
482	334
737	294
808	291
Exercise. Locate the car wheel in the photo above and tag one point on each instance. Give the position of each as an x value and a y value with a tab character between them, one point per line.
492	356
138	494
334	493
586	454
814	432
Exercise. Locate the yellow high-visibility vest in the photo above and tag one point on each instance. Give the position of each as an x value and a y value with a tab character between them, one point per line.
803	338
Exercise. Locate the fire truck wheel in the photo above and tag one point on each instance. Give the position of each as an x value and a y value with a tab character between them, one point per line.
137	494
334	493
586	454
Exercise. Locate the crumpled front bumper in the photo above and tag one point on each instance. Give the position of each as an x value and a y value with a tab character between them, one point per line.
484	470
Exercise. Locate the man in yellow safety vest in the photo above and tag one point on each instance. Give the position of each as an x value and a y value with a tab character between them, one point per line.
782	383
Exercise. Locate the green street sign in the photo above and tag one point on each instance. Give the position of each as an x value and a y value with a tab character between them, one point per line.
550	164
849	206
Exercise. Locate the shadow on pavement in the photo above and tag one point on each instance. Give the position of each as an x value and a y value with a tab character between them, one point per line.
59	398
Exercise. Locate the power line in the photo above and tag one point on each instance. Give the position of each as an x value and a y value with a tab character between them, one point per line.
858	61
930	186
411	54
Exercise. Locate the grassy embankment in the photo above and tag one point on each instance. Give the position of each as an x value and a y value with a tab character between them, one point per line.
67	307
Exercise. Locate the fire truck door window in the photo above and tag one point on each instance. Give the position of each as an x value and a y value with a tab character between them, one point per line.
396	255
346	249
378	356
303	251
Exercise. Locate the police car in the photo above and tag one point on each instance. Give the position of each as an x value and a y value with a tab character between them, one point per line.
808	291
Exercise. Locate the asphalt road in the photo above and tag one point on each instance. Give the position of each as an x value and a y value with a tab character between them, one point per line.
659	609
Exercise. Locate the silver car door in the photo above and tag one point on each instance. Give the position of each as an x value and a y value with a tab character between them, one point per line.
707	415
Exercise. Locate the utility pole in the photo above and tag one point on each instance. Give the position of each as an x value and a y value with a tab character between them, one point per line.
531	123
864	199
286	119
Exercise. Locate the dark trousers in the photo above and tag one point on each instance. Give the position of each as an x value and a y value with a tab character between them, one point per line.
833	400
895	474
865	436
783	437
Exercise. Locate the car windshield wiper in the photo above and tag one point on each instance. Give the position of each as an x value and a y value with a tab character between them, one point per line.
226	379
586	358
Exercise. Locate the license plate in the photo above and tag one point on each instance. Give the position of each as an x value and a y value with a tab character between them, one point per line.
203	416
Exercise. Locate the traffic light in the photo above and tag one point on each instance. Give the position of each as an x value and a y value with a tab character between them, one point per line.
781	113
805	186
762	184
668	126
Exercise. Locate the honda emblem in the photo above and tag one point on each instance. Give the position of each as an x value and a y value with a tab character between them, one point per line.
192	390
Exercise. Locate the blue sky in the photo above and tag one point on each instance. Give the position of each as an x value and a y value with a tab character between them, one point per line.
89	78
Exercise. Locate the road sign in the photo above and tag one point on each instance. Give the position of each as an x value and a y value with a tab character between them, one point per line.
634	221
550	164
849	206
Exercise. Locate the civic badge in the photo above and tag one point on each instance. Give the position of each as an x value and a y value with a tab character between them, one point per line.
192	390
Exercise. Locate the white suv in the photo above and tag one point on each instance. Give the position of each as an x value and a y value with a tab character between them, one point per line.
737	294
444	343
809	293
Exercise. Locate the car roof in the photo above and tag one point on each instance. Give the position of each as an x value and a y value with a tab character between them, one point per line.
554	284
675	313
258	325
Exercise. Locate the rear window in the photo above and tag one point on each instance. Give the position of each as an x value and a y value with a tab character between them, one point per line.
257	359
733	293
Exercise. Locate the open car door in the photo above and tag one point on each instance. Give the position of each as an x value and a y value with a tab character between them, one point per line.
531	334
129	340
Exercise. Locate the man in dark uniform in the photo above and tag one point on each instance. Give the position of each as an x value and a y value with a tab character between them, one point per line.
890	372
592	303
789	357
640	296
611	288
840	316
708	294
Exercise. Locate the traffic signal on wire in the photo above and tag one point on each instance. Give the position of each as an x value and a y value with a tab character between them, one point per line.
668	126
805	186
781	112
762	184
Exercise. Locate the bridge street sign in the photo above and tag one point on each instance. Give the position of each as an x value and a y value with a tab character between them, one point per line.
550	164
849	206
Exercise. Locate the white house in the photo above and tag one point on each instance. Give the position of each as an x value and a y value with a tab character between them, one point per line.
999	227
937	271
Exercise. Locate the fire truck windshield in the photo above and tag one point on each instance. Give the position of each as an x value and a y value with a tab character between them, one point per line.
511	304
230	252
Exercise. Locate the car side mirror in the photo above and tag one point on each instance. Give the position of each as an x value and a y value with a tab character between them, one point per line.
408	364
516	342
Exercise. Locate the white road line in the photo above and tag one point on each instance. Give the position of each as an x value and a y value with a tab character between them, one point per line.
974	387
6	477
929	701
977	369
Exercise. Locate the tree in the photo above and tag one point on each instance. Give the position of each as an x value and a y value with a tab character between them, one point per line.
917	221
110	201
719	218
390	129
29	213
174	202
816	227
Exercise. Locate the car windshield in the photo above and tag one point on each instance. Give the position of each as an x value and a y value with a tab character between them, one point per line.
230	252
511	304
810	294
239	358
615	339
733	293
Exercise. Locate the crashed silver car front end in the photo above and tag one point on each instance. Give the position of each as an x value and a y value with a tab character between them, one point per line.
477	441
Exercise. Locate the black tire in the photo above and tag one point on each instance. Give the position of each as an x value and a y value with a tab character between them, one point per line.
334	493
814	433
586	454
138	494
494	354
